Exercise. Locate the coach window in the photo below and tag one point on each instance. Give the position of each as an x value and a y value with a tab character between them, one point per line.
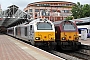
25	31
13	31
30	27
16	30
19	31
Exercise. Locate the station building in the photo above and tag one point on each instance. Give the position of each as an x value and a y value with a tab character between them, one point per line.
52	10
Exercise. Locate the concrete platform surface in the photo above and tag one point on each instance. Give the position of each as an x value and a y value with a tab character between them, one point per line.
85	42
13	49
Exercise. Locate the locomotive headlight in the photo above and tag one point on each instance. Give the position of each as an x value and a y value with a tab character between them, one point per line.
76	38
37	38
63	38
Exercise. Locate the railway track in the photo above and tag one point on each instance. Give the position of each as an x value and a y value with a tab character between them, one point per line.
82	54
72	55
65	56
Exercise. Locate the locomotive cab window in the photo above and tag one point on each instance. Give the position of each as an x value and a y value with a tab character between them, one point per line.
25	31
44	26
69	26
30	27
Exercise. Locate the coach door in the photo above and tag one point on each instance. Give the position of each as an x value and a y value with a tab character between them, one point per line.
31	32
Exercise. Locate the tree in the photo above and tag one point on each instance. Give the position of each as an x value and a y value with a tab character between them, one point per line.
77	10
80	11
86	10
69	18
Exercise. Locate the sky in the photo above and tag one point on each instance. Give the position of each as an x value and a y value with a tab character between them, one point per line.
23	3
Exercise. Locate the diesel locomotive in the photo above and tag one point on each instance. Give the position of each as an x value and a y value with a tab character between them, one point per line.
39	32
66	35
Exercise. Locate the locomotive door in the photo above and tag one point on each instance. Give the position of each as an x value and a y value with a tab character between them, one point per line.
31	32
57	33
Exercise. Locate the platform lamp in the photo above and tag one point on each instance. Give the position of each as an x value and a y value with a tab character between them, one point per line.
4	17
18	17
8	17
13	17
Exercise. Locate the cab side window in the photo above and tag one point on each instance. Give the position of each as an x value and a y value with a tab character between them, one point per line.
30	27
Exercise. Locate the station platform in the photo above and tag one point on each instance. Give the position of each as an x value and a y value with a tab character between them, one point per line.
13	49
85	42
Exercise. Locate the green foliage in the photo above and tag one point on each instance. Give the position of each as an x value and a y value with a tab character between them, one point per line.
69	18
86	10
80	11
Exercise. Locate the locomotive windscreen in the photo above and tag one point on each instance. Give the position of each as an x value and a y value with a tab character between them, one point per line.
68	26
44	26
